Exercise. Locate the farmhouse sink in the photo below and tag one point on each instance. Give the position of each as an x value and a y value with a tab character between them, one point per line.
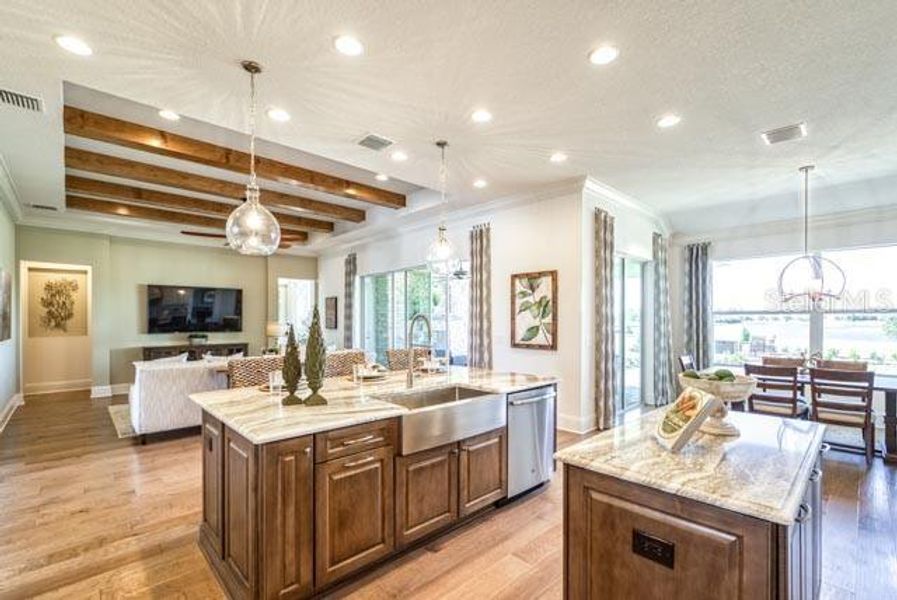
443	415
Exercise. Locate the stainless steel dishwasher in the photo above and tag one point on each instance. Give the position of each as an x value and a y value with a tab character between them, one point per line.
530	438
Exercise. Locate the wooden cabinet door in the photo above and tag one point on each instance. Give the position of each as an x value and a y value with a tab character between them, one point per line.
483	469
213	482
354	520
287	519
239	513
426	492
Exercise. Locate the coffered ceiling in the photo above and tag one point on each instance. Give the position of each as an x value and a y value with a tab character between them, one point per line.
730	69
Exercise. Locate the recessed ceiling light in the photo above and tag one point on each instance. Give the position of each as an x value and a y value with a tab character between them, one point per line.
382	177
481	115
558	157
480	183
348	45
169	115
398	156
278	114
73	45
603	55
669	120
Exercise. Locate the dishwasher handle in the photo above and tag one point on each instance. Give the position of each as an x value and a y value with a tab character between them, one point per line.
550	396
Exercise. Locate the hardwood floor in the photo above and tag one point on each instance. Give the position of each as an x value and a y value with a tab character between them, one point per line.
86	515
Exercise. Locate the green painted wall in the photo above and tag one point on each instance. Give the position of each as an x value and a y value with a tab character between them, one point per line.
122	269
9	364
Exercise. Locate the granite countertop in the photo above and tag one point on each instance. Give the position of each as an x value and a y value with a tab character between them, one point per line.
762	473
261	418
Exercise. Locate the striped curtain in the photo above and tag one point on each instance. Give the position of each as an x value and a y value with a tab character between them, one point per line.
351	267
664	373
604	319
480	328
698	304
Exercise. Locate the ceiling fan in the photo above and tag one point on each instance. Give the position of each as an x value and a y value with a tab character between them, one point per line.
285	238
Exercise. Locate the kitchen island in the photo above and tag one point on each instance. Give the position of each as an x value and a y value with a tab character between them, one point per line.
296	499
727	517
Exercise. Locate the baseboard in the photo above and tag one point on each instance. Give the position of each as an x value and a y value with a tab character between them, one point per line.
119	389
51	387
576	424
9	408
100	391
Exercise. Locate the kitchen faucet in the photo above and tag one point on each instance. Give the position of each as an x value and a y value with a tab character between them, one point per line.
409	346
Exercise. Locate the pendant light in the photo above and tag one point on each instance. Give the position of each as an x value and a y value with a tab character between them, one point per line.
811	276
441	254
251	228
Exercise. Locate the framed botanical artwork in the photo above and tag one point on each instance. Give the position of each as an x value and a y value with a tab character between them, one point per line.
330	312
534	313
5	305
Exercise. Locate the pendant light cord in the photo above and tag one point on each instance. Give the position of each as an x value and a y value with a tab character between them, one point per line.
252	181
806	171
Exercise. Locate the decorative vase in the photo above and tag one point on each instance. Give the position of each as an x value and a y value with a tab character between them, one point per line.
292	370
315	359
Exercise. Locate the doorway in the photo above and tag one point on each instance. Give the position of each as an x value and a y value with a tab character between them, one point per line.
628	331
56	343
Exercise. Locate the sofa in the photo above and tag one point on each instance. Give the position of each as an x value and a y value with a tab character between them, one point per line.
159	399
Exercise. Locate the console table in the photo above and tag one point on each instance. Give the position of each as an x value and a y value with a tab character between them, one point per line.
194	351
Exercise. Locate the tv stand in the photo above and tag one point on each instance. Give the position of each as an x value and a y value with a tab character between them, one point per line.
195	351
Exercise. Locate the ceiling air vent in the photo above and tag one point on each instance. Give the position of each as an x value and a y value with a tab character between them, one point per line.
43	207
784	134
21	100
375	142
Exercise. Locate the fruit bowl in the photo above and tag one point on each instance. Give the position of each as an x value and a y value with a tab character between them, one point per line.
727	391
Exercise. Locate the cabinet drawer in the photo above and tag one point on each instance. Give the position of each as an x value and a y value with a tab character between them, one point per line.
358	438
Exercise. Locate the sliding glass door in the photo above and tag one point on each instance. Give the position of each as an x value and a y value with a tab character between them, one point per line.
628	287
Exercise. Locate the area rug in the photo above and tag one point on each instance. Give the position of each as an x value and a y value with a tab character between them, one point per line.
850	436
121	420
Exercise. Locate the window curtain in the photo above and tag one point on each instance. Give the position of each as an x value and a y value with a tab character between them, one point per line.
479	349
351	267
604	319
664	373
698	304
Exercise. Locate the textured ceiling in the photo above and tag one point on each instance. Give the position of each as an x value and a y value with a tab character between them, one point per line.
732	69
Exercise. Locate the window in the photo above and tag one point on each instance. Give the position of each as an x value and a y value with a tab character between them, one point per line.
295	304
389	300
628	331
749	320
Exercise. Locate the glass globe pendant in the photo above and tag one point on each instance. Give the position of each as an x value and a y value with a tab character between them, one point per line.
441	255
251	228
811	276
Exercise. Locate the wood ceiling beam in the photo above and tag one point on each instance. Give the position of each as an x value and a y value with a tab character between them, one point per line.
130	211
95	126
127	193
93	162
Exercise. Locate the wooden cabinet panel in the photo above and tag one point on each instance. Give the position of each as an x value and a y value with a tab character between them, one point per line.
239	512
358	438
483	471
626	541
287	521
426	492
213	482
354	520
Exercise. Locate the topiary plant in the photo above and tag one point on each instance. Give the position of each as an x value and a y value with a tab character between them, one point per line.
292	369
315	359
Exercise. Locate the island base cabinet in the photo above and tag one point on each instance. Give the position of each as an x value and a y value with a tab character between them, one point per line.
212	483
426	493
483	467
622	540
354	519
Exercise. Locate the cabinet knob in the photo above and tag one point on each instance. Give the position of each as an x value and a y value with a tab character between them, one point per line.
209	442
307	450
804	513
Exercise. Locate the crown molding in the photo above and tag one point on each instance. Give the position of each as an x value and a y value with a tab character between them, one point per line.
623	200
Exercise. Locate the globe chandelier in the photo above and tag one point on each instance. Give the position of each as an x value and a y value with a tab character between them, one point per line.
251	228
810	277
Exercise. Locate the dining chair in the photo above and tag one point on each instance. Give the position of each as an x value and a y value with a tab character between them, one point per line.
844	398
777	391
687	362
783	361
843	365
397	358
252	370
340	363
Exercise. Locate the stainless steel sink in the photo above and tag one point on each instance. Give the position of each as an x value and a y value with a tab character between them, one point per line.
439	416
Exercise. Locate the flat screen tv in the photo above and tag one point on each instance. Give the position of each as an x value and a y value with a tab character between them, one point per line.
182	309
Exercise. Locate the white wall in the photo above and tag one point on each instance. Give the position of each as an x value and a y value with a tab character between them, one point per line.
548	231
9	364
